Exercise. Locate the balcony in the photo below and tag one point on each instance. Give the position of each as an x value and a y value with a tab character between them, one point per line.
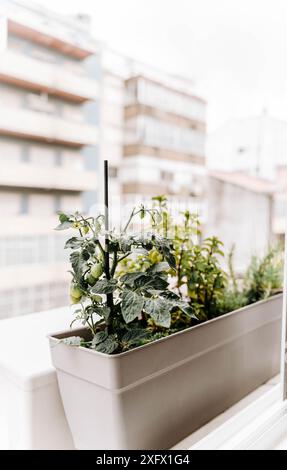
167	100
45	128
173	117
23	175
32	74
47	37
29	225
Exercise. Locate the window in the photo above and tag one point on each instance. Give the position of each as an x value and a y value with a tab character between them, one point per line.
57	203
113	172
155	133
10	203
166	176
42	156
25	157
30	249
11	150
72	160
24	204
41	204
44	55
21	301
72	112
40	102
58	158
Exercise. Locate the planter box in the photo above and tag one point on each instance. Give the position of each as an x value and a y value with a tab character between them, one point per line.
155	395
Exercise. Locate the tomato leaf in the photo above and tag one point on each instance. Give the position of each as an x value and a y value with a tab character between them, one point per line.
132	305
159	310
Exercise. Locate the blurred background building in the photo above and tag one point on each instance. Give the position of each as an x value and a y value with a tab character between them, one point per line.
241	212
49	121
153	132
256	148
67	103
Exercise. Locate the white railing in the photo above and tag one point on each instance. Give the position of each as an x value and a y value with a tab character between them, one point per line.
49	78
26	175
35	125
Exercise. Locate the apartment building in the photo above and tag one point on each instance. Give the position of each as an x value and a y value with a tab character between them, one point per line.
67	103
153	133
49	116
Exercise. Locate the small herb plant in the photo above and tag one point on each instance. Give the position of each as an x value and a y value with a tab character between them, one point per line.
121	311
264	276
262	279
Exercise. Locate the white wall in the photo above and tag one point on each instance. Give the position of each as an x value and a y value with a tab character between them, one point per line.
239	216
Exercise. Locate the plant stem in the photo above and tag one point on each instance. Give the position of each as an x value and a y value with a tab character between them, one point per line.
231	269
98	243
179	271
129	220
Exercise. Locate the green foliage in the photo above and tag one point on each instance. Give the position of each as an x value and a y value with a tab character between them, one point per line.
198	275
132	305
158	283
159	310
264	276
121	311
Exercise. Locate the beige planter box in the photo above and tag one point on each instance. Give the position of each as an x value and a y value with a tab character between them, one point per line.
153	396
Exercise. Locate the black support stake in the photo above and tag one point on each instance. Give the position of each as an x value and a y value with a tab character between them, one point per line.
110	302
106	201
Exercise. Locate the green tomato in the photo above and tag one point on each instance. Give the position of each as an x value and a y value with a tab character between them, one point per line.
74	300
97	298
91	280
155	256
97	270
75	291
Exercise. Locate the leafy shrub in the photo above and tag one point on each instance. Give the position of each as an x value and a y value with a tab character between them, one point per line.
134	289
121	311
198	276
263	278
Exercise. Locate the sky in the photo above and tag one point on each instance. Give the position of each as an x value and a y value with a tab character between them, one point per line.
234	50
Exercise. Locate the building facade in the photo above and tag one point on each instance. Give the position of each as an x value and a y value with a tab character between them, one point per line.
153	131
48	148
67	103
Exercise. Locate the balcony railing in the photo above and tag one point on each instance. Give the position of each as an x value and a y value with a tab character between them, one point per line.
45	128
67	35
32	275
18	69
25	175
